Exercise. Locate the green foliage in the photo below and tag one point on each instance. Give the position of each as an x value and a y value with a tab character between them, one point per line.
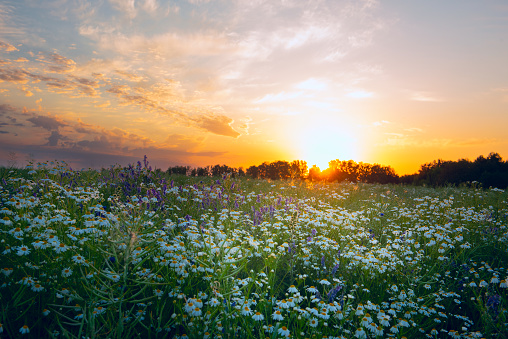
137	252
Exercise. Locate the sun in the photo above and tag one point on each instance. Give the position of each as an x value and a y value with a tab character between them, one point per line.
325	143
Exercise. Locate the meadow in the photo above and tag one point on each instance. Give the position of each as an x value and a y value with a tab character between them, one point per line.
134	252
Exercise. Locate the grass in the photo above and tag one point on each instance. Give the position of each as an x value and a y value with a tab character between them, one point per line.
132	252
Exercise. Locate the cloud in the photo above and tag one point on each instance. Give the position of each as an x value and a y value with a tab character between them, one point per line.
56	62
87	145
10	25
7	120
168	99
7	47
180	141
425	96
72	85
278	97
54	138
414	129
217	124
126	6
163	46
312	84
245	124
130	76
7	109
47	122
17	76
380	123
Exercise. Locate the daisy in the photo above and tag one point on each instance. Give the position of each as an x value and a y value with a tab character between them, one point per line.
494	280
7	271
283	304
24	329
114	277
17	232
291	302
23	250
214	302
292	289
78	259
6	221
360	333
246	310
196	312
312	289
66	272
313	322
258	316
37	288
277	316
284	331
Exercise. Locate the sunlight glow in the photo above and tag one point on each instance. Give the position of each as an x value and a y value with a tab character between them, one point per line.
322	144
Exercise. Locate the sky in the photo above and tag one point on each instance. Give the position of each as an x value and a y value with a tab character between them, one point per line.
395	82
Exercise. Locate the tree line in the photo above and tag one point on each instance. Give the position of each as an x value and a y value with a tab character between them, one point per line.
490	171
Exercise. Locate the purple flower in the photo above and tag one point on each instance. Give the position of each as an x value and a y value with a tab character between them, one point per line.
314	232
334	269
333	293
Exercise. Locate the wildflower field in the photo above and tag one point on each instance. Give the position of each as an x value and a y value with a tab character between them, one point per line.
134	252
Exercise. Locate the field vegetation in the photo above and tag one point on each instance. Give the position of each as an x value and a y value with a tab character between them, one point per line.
136	252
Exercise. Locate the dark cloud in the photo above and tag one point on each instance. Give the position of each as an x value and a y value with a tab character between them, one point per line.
217	124
81	158
55	137
84	145
7	109
87	82
17	76
47	122
100	143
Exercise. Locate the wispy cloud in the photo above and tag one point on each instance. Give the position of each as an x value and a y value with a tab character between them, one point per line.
278	97
312	84
56	63
217	124
425	96
380	123
360	94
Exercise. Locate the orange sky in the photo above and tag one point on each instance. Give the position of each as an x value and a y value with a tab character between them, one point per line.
198	83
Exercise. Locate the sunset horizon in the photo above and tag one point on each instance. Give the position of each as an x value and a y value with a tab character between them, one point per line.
198	83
